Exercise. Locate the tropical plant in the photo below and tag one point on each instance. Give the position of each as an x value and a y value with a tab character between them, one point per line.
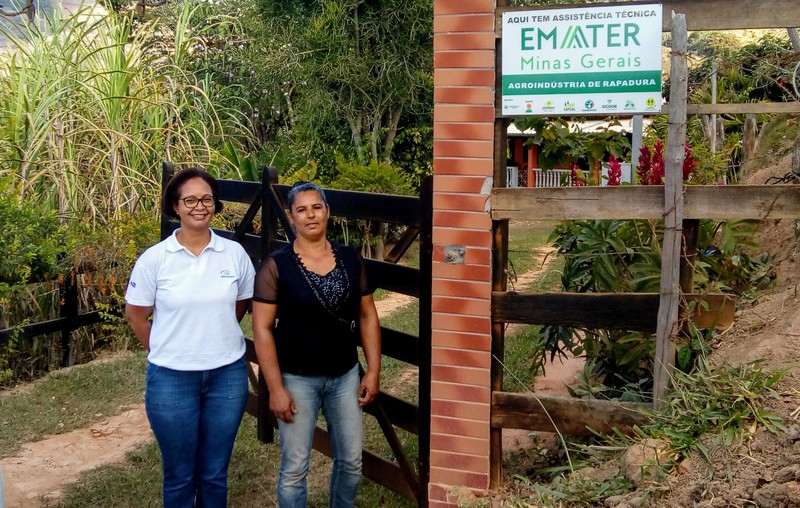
625	256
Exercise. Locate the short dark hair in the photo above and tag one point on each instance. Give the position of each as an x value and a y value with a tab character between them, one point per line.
302	186
173	191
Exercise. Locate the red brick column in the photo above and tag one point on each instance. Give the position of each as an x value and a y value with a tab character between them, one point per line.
464	79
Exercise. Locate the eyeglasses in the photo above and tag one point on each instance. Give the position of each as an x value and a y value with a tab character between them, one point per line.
191	201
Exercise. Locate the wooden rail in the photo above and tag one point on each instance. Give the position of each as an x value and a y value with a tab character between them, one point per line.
646	202
602	310
565	415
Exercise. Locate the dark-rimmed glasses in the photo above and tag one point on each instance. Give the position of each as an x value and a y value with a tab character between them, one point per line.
192	201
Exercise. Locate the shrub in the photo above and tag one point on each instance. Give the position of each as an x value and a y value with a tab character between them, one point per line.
625	256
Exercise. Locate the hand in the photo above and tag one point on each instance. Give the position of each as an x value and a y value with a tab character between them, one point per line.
369	389
282	405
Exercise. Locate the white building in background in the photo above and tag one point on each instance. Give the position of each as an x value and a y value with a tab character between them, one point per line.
523	167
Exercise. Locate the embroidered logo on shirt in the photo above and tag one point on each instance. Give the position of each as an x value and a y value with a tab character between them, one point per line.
226	274
133	284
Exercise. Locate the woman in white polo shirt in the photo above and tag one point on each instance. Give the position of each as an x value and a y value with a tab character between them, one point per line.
196	286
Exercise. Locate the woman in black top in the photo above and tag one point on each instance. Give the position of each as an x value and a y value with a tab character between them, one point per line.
311	308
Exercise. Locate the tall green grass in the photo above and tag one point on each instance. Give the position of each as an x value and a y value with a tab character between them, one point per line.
91	104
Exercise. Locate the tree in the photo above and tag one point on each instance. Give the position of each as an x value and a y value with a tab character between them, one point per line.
365	61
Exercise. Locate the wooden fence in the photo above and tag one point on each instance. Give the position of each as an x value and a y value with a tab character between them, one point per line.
70	320
679	206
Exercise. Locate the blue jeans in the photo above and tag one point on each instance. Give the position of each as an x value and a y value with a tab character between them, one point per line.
338	398
195	416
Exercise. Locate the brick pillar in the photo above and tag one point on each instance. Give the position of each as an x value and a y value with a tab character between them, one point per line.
463	150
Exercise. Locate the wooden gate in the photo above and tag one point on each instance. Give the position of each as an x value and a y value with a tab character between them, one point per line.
680	206
402	475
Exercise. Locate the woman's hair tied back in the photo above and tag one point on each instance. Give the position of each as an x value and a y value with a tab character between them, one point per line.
304	186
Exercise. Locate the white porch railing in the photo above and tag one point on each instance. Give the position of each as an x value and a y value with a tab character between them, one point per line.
551	178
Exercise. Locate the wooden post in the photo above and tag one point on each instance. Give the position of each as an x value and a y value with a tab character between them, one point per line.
499	283
425	320
669	303
266	420
69	311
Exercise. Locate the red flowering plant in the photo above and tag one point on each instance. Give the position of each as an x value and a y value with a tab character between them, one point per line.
652	167
614	171
645	165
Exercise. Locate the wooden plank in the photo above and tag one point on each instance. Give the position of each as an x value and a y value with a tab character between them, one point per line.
569	203
570	416
400	346
583	310
710	14
733	14
239	191
739	109
252	404
401	413
250	242
690	230
398	278
742	202
374	467
396	445
49	326
601	310
391	208
669	302
402	245
246	224
646	202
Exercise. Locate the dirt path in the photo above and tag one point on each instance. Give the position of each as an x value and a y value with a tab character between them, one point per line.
41	468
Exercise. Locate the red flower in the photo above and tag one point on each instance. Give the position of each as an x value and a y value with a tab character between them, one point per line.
689	163
657	176
614	171
645	165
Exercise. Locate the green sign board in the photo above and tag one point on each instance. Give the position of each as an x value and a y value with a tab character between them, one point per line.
587	60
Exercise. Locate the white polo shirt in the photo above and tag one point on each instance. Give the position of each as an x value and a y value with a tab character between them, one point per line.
194	302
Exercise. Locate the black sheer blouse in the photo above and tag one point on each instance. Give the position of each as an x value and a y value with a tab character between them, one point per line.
316	331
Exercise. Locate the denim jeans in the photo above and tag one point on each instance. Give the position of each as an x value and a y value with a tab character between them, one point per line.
195	416
338	398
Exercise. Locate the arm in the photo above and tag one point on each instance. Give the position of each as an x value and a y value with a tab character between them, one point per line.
241	309
280	401
138	319
371	343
